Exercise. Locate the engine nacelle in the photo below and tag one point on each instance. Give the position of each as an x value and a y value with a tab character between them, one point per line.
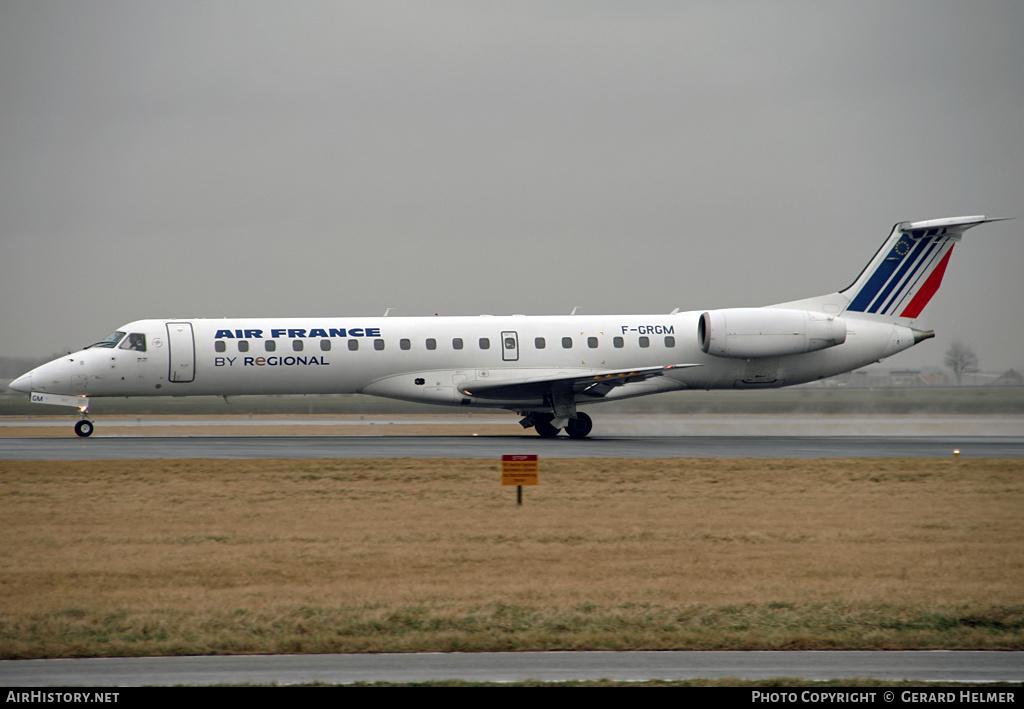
749	333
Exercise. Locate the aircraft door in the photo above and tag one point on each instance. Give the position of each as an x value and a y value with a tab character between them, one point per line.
510	346
181	347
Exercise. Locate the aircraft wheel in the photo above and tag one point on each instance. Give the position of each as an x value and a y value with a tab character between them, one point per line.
84	428
580	426
545	429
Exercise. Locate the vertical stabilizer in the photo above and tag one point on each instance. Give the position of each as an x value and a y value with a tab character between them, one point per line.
907	271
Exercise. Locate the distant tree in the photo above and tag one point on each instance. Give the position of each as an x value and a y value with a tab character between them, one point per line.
961	360
1011	377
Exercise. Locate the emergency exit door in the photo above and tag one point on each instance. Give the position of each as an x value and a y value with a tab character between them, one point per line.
510	347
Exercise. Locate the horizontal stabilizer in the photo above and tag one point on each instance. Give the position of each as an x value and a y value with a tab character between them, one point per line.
959	224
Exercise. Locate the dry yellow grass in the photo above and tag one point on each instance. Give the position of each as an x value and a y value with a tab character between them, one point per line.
138	557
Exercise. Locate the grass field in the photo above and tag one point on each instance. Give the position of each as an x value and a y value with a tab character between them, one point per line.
199	556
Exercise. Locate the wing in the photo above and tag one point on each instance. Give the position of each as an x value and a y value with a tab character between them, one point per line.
594	384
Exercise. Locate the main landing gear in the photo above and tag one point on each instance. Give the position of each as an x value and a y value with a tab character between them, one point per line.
578	427
563	413
544	428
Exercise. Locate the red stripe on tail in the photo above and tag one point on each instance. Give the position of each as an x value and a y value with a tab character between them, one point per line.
922	297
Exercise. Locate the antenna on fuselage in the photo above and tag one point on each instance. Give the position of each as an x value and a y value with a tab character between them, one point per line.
574	310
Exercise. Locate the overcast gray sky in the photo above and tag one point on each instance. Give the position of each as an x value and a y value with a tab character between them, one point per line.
211	158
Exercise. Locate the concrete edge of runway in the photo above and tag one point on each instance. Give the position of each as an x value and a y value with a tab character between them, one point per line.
930	666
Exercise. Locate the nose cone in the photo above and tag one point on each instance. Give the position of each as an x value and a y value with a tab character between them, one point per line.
50	378
22	384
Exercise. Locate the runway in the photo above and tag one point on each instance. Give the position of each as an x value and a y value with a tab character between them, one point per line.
489	436
934	666
244	447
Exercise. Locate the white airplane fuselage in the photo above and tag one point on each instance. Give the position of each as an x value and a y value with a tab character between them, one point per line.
182	357
543	367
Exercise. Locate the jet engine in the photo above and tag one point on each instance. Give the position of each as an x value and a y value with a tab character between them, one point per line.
749	333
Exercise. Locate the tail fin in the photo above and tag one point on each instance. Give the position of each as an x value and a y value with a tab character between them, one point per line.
907	271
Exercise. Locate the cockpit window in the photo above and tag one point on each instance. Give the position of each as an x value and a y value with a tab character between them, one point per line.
109	342
136	341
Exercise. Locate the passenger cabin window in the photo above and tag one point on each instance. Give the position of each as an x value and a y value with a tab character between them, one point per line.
353	345
618	342
297	345
378	345
485	343
270	345
539	343
567	343
220	346
592	343
670	341
405	344
243	345
645	341
457	343
325	345
431	343
135	342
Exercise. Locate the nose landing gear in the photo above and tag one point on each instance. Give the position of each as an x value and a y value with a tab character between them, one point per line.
84	427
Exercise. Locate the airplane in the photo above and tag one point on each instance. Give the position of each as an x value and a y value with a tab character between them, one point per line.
542	367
